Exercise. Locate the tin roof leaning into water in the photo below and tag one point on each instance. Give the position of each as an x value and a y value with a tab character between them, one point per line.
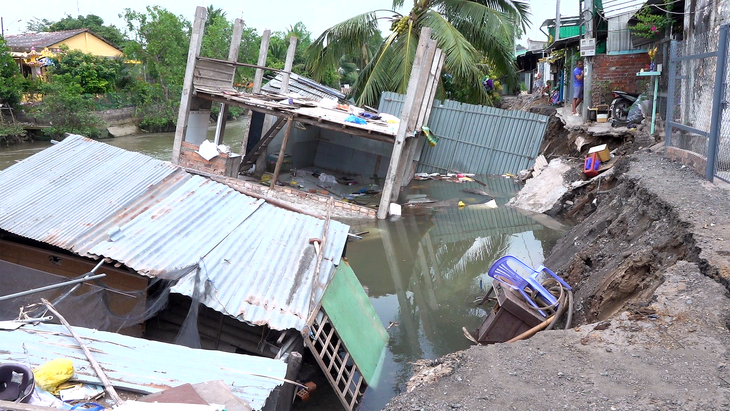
141	365
254	260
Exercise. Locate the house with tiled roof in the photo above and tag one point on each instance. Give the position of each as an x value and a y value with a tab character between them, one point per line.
31	50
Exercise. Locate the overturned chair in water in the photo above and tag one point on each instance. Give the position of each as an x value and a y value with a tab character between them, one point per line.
527	301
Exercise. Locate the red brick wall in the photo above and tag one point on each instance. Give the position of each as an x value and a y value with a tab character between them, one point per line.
619	71
190	158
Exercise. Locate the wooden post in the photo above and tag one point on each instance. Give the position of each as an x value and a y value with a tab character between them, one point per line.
257	80
400	137
220	127
196	39
288	64
95	365
282	151
411	118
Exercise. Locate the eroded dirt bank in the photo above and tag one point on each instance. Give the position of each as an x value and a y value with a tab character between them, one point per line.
650	267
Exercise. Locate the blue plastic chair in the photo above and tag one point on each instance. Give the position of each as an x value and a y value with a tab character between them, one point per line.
506	270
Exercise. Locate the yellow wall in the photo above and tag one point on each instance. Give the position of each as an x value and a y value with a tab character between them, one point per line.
89	43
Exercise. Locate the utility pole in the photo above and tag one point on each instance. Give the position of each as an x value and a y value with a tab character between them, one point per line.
557	21
588	61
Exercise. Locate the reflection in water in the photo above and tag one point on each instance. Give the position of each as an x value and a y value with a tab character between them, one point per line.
424	272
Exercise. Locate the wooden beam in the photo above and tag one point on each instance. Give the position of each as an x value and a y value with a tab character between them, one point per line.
108	387
355	131
239	64
282	151
288	64
196	39
258	79
400	137
220	127
9	405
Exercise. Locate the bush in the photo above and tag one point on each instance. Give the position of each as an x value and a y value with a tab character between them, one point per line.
67	109
11	133
96	75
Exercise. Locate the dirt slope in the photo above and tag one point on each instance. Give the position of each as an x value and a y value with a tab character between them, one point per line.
651	264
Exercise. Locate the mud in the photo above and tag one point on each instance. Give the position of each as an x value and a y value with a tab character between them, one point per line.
650	264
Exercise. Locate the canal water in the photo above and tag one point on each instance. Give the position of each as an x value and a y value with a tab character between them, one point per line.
423	270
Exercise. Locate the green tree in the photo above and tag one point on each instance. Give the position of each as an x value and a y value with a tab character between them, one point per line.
10	78
95	75
466	30
91	21
67	109
160	43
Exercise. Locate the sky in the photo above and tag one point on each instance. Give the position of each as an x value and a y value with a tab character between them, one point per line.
276	15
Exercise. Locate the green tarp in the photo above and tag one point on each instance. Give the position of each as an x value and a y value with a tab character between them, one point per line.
355	321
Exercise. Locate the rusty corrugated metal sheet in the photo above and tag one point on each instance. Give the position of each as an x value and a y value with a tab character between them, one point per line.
142	365
305	87
256	258
263	276
63	192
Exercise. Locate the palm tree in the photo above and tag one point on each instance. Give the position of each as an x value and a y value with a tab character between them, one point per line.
468	31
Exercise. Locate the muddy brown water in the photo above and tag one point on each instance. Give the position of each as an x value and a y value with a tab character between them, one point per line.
422	271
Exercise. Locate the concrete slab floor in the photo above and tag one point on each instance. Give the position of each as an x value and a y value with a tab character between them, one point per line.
305	181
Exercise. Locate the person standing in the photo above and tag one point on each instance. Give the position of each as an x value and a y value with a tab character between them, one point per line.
538	85
577	87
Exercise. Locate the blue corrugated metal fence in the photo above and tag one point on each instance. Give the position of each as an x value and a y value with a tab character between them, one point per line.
476	139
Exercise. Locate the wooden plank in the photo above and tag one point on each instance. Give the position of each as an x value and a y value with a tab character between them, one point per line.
335	357
282	152
265	140
8	405
280	111
186	97
215	69
357	393
331	380
238	64
327	341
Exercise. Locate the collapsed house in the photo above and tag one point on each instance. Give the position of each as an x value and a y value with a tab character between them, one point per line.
270	280
210	80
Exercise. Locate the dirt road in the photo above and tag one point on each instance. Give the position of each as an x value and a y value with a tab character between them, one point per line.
650	267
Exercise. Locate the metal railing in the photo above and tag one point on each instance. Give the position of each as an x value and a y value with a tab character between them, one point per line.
696	100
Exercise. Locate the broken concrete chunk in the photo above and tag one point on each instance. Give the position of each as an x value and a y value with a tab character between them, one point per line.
542	192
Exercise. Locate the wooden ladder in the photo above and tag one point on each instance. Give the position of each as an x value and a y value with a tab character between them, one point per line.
256	151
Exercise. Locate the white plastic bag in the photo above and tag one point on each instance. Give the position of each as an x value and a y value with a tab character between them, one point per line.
326	178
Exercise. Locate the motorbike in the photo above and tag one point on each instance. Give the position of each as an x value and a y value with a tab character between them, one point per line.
621	103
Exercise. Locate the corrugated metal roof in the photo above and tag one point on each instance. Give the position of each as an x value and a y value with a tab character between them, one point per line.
269	286
305	87
143	365
613	8
256	257
476	139
63	192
